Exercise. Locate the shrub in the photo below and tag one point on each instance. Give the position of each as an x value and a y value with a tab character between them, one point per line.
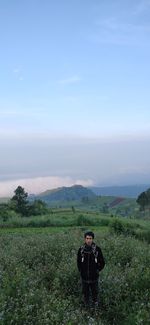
143	235
120	227
84	220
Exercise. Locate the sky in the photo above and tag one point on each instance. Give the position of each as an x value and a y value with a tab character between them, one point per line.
74	93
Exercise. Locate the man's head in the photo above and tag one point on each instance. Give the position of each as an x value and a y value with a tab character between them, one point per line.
88	237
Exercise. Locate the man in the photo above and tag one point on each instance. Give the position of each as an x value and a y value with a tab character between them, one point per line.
90	262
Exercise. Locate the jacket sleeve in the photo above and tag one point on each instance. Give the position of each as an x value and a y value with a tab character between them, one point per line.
79	259
100	259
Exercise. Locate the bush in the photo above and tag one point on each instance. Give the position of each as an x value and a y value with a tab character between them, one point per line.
121	227
84	220
143	235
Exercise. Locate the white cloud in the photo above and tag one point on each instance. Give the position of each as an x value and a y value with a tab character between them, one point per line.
70	80
142	169
16	70
16	113
141	7
112	24
114	30
40	184
18	73
21	113
29	161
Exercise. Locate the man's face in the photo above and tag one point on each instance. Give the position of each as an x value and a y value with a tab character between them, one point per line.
89	240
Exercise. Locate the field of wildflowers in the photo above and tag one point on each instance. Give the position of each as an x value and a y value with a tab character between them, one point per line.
40	283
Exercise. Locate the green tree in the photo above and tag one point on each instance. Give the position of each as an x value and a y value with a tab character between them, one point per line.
38	207
73	209
19	201
143	199
105	208
85	199
4	211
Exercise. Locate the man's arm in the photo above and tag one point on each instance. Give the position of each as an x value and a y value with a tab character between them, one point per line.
100	259
79	259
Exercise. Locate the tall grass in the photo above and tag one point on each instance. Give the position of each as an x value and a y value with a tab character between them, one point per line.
66	218
128	227
40	283
57	219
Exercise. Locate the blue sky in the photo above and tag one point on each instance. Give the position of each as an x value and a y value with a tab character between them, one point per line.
74	79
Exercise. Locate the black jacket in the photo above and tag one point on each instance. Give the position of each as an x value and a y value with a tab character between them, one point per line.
90	262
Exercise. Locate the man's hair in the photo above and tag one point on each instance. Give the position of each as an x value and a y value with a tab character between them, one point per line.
89	233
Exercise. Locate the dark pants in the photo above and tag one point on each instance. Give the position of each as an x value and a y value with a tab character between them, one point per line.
90	287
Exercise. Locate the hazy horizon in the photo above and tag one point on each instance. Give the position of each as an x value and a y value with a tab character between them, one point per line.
48	163
28	184
74	94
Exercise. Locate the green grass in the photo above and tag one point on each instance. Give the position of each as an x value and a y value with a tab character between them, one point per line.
48	230
58	218
63	219
127	207
40	283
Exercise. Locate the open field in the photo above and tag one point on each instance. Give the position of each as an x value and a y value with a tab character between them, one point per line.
47	230
116	206
40	283
39	280
59	217
65	219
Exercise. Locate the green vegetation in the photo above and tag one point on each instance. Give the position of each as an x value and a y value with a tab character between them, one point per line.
57	219
19	201
144	200
72	193
24	206
64	218
19	205
40	283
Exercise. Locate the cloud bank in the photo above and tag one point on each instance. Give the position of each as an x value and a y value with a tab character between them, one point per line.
42	163
39	184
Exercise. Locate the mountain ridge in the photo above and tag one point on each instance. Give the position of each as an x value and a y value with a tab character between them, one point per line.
128	191
75	192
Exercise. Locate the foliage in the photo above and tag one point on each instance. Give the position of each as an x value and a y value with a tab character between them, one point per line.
19	201
22	206
40	284
143	234
105	208
84	220
5	211
37	207
57	218
73	209
144	199
119	226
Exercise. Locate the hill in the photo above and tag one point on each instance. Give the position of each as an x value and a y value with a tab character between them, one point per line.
73	193
4	199
129	191
84	199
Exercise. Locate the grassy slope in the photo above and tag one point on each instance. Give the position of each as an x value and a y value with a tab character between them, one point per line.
49	230
65	219
39	274
128	206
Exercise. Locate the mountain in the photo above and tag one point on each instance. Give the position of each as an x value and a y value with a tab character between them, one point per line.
129	191
76	192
